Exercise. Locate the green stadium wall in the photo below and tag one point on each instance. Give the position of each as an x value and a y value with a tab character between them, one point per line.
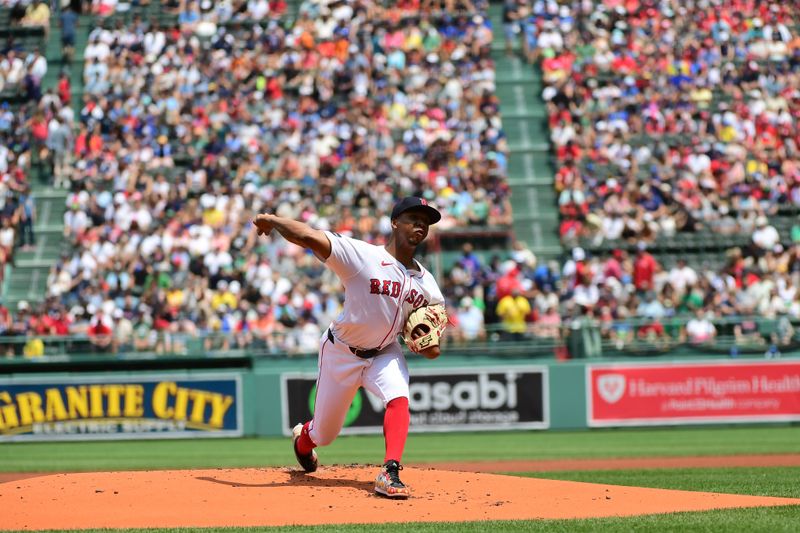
452	393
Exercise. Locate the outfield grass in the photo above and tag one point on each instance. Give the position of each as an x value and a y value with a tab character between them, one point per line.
763	519
772	520
422	448
524	445
767	481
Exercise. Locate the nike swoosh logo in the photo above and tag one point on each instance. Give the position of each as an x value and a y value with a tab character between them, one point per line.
385	264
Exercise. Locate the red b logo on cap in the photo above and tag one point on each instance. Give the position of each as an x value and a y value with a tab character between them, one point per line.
423	201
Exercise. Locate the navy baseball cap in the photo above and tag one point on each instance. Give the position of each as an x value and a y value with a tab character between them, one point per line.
417	204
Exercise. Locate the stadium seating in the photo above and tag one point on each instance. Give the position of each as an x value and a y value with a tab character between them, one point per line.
188	121
153	165
19	45
689	141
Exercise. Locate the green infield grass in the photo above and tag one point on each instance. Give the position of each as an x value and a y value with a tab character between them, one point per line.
421	448
764	481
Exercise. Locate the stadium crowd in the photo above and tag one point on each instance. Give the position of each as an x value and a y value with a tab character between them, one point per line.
630	297
669	116
186	131
24	128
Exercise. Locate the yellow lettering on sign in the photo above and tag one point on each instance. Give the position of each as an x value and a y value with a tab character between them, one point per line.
56	410
9	416
8	412
181	403
134	401
220	403
96	401
199	406
30	408
161	395
78	402
191	405
114	393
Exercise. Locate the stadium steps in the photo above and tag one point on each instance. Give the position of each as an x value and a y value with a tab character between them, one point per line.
27	278
530	173
76	65
52	50
27	282
292	8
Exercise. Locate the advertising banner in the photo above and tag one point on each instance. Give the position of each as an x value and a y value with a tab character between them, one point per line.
440	400
158	406
724	392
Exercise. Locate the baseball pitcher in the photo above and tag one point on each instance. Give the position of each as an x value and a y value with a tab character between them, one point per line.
387	293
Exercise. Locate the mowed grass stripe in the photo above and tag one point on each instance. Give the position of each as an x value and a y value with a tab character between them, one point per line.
759	519
771	481
421	448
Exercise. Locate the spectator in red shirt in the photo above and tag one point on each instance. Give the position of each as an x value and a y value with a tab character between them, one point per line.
81	141
37	324
613	266
38	128
277	7
509	281
100	332
644	269
53	323
64	89
59	323
652	331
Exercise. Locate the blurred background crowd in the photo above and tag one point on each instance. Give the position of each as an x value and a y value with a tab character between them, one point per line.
670	119
184	131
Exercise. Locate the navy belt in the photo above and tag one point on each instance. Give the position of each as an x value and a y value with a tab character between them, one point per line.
363	354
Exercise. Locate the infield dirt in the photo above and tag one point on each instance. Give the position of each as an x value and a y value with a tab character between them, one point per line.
332	495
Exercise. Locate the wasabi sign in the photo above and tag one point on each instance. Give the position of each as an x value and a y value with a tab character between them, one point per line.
453	399
160	406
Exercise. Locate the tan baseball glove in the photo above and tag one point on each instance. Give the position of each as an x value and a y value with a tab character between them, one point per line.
425	327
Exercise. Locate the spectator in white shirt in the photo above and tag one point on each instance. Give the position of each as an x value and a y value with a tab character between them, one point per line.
12	69
470	320
75	221
682	276
258	9
700	329
37	63
765	237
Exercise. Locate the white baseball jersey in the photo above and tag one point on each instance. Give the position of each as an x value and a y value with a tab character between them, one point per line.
380	292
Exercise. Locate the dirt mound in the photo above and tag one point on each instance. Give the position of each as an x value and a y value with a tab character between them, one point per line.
333	495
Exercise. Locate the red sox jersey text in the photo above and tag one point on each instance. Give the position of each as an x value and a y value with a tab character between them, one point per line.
380	292
387	287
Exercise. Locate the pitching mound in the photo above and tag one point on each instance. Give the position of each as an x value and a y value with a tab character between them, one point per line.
333	495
